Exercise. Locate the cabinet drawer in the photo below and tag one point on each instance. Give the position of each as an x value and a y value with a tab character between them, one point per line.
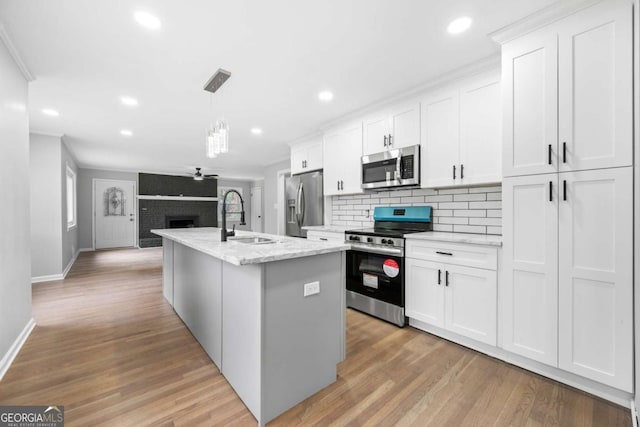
329	236
453	253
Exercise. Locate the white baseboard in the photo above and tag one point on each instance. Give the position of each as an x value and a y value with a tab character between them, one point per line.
47	278
86	250
53	277
70	264
8	358
634	413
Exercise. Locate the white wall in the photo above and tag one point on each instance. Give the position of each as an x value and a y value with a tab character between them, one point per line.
85	200
15	254
270	195
46	205
69	242
637	197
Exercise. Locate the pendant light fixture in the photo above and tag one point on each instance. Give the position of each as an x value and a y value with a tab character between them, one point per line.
217	136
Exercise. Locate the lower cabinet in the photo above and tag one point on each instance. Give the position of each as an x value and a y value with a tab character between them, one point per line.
457	298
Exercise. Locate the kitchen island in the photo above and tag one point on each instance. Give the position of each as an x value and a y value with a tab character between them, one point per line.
268	310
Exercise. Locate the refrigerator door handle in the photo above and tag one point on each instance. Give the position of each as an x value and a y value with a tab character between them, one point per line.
298	204
302	205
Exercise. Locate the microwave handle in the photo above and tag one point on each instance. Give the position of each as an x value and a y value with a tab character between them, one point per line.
399	166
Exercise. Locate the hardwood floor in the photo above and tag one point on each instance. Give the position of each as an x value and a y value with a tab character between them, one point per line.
113	352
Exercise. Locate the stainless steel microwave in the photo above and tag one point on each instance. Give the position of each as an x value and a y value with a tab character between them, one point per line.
392	168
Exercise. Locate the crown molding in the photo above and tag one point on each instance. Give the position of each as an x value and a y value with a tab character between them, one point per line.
43	133
13	51
539	19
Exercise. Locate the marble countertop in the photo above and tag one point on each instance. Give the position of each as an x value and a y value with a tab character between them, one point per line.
207	240
441	236
327	228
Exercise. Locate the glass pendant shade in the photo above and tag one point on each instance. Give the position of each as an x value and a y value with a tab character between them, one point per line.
211	145
222	129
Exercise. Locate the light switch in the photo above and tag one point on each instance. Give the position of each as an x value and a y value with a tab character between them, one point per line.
311	288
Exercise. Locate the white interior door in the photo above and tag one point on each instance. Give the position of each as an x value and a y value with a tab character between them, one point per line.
114	212
256	209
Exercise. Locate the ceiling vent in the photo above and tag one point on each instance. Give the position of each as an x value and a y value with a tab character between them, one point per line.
217	80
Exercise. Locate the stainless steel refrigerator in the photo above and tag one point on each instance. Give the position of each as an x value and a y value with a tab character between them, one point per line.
304	202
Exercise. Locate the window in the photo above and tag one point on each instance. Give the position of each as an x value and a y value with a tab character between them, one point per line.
71	198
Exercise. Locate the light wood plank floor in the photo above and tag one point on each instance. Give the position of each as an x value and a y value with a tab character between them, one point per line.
113	352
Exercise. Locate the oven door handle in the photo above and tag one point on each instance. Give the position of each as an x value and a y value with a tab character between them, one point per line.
381	251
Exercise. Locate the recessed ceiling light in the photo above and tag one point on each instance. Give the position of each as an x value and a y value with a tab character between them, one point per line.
325	96
126	132
459	25
256	131
50	112
127	100
147	20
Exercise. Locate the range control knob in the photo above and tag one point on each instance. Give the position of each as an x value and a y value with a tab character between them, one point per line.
389	242
354	238
383	241
370	239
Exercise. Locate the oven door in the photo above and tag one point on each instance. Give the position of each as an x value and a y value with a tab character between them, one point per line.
375	275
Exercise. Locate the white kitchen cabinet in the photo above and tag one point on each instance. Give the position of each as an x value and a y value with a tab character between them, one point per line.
343	165
457	298
596	281
325	236
567	289
567	92
461	134
529	289
394	128
306	156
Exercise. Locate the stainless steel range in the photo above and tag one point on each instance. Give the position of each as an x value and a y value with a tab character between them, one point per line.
375	264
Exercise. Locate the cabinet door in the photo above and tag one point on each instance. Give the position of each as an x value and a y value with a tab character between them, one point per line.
471	302
314	157
404	125
439	138
333	144
596	87
298	157
596	281
529	291
351	154
375	131
424	291
530	104
481	131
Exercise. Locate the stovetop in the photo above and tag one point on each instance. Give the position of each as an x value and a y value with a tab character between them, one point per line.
382	232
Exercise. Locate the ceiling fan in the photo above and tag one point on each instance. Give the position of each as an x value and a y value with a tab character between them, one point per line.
199	176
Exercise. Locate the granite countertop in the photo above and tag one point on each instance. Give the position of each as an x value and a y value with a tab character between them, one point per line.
441	236
327	228
207	240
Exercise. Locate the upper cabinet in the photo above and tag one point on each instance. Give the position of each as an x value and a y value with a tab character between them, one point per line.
393	128
306	156
568	94
461	134
343	151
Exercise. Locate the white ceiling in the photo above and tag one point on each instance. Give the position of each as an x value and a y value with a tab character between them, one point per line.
85	55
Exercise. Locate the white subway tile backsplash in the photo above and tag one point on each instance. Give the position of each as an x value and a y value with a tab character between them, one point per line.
462	210
469	197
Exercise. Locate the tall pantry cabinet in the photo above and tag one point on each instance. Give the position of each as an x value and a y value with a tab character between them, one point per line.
567	194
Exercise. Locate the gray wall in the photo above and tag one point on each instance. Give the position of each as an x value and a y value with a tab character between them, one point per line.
270	195
46	205
246	196
85	200
69	241
53	246
15	254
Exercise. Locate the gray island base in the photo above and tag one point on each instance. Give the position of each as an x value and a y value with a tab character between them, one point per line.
273	344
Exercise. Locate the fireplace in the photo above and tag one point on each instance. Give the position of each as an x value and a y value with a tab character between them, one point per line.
182	221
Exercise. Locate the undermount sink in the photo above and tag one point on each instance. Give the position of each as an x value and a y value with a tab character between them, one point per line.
253	240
